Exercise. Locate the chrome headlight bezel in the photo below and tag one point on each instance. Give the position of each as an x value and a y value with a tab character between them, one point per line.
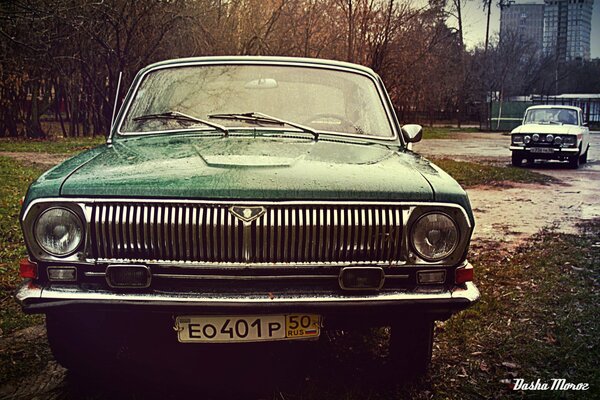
421	253
75	222
37	250
464	228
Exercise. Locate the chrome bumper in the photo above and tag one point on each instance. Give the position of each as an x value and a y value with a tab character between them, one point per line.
38	299
557	151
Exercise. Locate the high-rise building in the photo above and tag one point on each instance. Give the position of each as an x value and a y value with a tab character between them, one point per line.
523	19
567	29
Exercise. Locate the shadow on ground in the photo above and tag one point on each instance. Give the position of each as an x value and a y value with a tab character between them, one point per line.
341	364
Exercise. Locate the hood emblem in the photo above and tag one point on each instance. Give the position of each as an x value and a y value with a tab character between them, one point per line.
247	214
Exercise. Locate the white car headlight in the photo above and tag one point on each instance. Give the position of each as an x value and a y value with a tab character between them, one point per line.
58	231
434	236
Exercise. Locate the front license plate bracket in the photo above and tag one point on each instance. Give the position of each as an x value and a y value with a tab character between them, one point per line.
247	328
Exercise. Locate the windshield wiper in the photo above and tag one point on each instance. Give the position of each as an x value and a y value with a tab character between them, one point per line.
178	116
258	117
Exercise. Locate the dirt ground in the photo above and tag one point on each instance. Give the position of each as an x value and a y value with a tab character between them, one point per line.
511	213
43	159
506	214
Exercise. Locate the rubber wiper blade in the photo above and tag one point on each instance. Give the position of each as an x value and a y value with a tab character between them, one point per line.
260	117
179	116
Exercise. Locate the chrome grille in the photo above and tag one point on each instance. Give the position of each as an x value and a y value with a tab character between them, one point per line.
210	233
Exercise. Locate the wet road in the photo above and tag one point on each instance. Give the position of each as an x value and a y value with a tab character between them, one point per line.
512	213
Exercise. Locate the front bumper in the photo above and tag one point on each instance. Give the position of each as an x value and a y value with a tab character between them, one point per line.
557	151
438	302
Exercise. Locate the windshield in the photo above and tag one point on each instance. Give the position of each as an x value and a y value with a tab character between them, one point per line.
321	99
551	116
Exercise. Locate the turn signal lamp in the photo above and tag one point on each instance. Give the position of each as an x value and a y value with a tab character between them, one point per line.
431	277
64	274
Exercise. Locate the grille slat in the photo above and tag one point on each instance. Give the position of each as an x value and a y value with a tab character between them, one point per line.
210	233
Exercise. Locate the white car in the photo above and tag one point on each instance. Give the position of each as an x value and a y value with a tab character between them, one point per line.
551	133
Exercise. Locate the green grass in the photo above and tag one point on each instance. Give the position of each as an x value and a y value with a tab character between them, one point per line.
14	180
538	315
445	132
59	146
469	173
537	318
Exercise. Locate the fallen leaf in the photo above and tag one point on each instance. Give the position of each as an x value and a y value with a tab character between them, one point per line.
510	365
484	367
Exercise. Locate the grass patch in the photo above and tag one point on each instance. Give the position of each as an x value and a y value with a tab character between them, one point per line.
469	173
537	319
14	180
58	145
445	132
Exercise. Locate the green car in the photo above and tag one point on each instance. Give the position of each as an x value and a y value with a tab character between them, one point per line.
247	199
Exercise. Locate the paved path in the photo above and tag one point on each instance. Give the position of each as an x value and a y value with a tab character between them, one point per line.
509	214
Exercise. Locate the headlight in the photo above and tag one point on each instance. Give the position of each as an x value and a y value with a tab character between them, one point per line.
58	231
527	139
517	139
535	137
570	140
557	140
549	138
434	236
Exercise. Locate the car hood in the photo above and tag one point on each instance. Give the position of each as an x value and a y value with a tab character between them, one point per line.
259	168
547	128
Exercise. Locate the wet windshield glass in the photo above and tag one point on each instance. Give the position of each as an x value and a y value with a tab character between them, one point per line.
324	100
551	116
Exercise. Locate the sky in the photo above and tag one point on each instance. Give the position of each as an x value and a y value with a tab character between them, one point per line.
474	19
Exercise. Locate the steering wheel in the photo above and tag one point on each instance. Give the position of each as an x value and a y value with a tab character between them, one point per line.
345	123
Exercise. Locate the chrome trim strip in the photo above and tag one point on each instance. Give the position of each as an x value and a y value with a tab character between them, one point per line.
92	200
388	277
220	264
94	274
31	294
243	277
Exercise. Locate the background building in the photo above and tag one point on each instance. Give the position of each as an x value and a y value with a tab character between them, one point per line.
567	29
524	19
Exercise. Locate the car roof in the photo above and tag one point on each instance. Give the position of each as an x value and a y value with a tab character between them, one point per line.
554	106
261	60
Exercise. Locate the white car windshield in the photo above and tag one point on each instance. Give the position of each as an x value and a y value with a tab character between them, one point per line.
232	96
551	116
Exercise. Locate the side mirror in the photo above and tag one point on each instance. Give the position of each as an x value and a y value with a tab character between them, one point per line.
412	133
585	124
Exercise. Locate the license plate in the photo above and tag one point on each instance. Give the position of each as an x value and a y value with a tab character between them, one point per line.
257	328
541	150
